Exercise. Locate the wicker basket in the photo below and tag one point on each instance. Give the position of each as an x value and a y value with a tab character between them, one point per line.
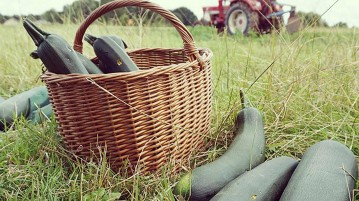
149	118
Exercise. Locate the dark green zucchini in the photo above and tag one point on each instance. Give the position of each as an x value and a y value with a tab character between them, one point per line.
41	114
113	58
89	65
245	152
327	171
91	40
263	183
22	105
56	54
119	41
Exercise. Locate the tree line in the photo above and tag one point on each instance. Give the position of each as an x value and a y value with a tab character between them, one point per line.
80	9
315	20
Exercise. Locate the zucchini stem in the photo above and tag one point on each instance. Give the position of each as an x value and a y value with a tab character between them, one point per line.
245	102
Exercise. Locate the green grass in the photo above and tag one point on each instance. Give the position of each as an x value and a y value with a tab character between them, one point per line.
309	93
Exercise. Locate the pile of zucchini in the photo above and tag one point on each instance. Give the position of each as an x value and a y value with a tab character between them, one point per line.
327	171
60	58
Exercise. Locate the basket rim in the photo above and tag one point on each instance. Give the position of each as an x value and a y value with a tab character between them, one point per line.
207	54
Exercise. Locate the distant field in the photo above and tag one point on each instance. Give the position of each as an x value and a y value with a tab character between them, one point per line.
310	93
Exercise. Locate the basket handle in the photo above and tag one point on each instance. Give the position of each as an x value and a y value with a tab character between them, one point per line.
187	38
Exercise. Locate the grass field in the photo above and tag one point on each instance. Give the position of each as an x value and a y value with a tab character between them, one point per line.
308	93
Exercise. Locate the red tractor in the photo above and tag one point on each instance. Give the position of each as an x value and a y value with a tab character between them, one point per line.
240	16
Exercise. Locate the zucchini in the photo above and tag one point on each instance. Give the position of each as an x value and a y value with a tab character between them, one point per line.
113	58
91	40
22	105
56	54
41	114
119	41
327	171
89	65
264	183
245	152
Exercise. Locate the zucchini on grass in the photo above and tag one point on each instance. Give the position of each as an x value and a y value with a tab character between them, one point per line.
327	171
41	114
245	152
264	183
22	105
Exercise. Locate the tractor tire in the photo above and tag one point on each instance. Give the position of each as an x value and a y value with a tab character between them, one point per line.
278	23
241	19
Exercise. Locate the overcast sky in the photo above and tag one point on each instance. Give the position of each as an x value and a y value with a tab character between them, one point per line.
344	10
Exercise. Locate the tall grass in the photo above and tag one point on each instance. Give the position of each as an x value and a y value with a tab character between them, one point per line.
308	93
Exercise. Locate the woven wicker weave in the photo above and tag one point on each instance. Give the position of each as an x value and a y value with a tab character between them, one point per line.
152	117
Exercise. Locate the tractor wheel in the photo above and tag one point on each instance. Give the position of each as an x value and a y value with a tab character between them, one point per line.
278	22
240	19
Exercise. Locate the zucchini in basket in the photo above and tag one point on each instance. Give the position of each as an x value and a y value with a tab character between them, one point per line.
89	65
56	54
111	53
